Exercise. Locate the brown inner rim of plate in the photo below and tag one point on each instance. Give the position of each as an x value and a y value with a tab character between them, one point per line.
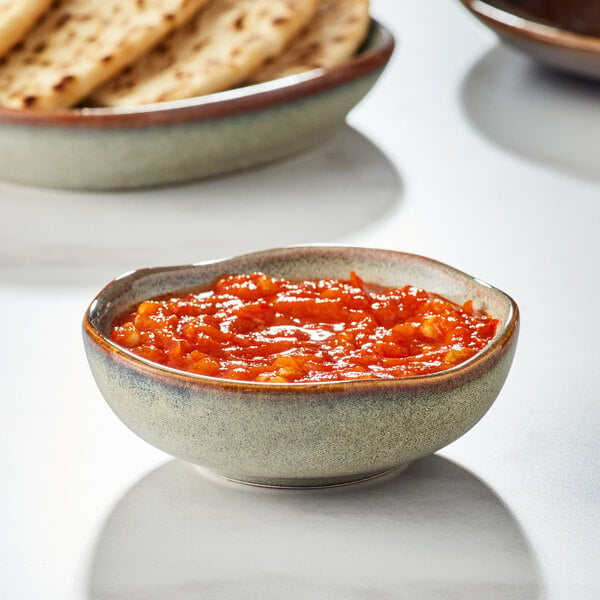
323	80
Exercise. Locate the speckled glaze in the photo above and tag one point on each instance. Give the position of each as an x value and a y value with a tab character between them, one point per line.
555	47
308	434
157	144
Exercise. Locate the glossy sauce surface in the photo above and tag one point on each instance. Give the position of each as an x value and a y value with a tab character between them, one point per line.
258	328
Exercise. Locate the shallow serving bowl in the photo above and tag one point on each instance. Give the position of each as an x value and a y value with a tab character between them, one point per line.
551	43
301	434
109	148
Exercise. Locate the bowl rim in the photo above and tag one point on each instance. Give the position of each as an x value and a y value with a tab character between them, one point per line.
220	104
530	29
458	375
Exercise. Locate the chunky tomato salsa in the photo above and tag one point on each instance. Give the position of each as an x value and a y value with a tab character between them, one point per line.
258	328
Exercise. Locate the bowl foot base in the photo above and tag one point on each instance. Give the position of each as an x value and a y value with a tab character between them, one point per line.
306	483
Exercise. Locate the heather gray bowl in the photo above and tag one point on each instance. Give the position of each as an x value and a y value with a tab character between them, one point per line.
157	144
299	434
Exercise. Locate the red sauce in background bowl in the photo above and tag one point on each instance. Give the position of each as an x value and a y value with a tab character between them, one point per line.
258	328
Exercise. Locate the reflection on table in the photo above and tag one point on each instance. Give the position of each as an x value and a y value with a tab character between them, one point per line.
435	531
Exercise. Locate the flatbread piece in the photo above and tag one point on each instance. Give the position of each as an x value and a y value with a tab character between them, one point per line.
330	39
217	50
16	18
79	44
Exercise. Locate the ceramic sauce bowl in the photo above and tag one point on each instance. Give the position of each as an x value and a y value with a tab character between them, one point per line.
299	434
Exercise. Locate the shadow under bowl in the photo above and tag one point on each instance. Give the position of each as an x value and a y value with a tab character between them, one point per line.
556	42
123	148
299	434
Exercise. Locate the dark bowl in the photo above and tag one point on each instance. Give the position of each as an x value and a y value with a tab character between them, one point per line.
553	32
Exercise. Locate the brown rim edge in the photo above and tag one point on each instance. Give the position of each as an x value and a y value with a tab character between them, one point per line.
223	104
449	378
531	30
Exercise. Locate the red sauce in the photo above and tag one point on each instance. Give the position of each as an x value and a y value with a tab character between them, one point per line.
257	328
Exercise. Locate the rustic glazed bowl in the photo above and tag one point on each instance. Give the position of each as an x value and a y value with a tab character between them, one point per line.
301	434
110	148
549	42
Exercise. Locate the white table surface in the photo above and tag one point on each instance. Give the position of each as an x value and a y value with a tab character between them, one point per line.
464	152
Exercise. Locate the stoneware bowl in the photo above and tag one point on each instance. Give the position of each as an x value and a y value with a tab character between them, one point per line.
302	434
559	34
108	148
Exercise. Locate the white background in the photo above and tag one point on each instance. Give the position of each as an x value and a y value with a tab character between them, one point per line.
465	152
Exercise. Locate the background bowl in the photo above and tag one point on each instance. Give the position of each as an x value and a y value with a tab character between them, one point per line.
301	434
550	43
104	148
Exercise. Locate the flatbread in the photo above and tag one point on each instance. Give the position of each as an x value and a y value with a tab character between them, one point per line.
331	38
220	48
16	18
79	44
